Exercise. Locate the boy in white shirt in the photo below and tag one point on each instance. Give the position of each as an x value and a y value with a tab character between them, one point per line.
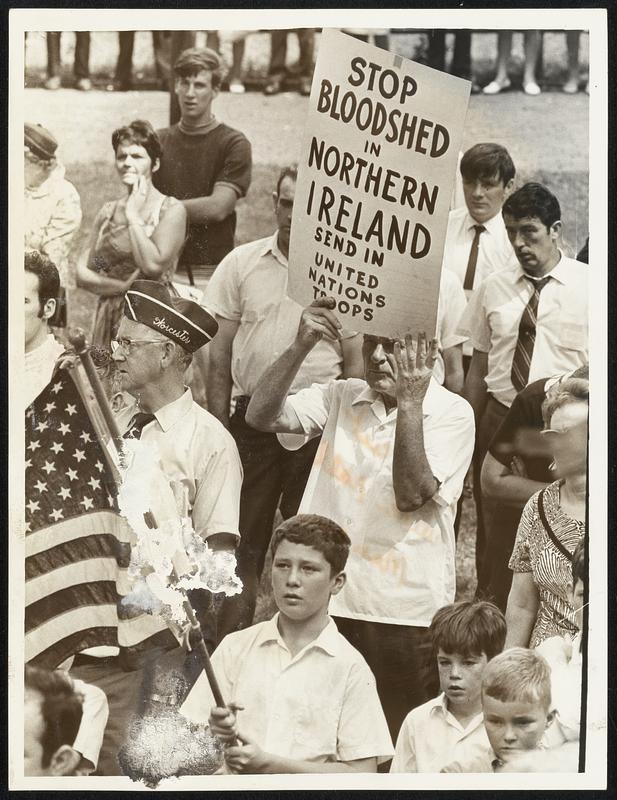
300	697
465	637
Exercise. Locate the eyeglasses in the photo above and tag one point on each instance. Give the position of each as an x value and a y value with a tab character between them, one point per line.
125	344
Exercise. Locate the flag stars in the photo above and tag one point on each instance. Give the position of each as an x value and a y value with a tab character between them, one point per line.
49	408
64	428
71	409
41	486
87	503
85	436
42	426
27	527
64	493
94	483
110	500
34	445
79	455
28	463
56	387
49	467
56	447
72	474
57	514
99	466
33	506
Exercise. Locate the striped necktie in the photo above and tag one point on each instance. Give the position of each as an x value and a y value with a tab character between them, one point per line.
137	424
470	273
523	352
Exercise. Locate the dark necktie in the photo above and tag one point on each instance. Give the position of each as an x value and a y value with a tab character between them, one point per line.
526	336
470	273
137	424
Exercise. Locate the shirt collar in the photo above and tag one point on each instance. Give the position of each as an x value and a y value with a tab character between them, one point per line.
560	271
271	246
492	226
439	705
368	395
328	639
168	415
45	188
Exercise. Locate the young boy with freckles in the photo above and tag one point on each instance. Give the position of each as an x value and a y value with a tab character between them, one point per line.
300	697
517	708
465	636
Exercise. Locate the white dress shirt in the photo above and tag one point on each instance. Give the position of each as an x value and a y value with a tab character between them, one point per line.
319	705
431	737
401	566
200	459
494	250
494	313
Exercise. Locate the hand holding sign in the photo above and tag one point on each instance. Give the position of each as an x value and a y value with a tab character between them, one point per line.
317	321
414	368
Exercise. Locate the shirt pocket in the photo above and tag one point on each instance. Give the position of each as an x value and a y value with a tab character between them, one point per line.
572	335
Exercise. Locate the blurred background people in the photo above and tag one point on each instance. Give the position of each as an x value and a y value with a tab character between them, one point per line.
303	71
52	210
139	235
161	44
81	64
504	46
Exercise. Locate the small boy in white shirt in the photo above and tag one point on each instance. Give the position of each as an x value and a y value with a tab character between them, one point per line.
300	697
465	637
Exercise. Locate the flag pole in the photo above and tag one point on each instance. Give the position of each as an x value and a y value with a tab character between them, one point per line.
77	339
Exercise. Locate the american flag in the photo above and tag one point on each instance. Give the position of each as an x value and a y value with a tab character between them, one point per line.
77	544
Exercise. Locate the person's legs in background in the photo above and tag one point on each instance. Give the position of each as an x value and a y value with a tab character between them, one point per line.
124	65
54	67
501	80
81	65
572	41
306	43
436	51
278	56
532	50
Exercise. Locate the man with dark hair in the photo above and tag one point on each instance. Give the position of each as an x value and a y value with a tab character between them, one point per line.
257	321
524	323
41	289
52	716
207	165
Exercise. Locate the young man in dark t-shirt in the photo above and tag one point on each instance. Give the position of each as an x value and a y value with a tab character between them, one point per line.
207	165
516	466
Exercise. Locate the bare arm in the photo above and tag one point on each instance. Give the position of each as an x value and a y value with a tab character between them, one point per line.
522	610
412	477
213	208
353	363
474	390
267	411
219	384
454	377
155	255
502	484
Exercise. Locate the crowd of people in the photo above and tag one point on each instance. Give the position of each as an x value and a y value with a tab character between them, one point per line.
361	443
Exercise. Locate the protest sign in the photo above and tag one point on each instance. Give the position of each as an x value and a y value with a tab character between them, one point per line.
375	179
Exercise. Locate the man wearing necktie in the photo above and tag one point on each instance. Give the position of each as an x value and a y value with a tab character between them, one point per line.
524	324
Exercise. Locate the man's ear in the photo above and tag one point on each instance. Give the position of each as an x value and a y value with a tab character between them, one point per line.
338	582
555	229
64	761
157	165
49	309
275	199
508	187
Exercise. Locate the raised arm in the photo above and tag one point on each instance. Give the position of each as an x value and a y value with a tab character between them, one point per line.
156	254
413	479
267	411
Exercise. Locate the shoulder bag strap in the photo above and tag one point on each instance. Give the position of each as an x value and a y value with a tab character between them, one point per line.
563	550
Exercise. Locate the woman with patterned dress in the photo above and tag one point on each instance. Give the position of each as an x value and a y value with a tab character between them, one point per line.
138	236
552	524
